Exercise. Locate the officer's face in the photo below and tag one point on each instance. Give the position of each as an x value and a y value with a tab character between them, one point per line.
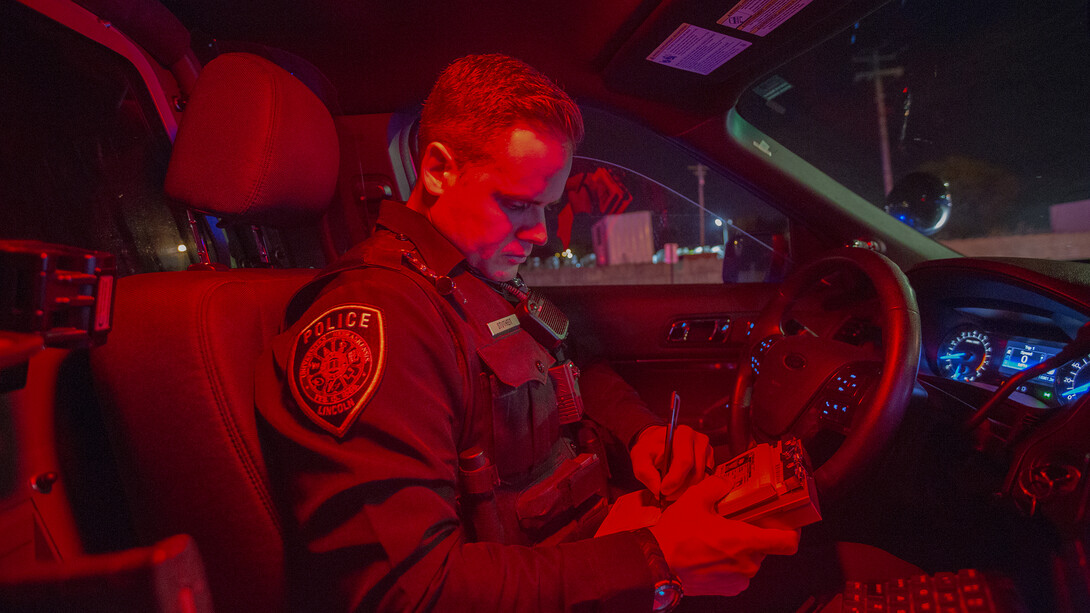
495	210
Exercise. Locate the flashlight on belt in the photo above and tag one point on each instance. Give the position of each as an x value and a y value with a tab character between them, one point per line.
478	479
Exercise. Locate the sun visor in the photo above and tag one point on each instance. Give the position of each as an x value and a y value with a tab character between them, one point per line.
700	55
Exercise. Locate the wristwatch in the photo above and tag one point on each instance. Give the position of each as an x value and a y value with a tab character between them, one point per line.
667	592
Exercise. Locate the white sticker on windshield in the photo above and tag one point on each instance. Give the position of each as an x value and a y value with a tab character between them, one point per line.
695	49
761	16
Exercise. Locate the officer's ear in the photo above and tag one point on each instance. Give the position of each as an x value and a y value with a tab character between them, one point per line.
438	168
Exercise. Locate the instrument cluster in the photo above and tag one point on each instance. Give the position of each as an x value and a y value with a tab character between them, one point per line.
975	354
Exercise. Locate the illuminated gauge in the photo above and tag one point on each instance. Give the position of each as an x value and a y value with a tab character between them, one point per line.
1073	380
964	355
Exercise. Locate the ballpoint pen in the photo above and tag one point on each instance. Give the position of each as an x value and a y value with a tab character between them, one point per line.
668	452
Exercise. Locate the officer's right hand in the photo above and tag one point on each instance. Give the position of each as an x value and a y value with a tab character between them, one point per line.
710	554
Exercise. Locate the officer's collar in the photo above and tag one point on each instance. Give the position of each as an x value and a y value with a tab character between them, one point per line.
439	253
514	290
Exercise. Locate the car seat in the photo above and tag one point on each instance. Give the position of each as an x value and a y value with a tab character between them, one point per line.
175	378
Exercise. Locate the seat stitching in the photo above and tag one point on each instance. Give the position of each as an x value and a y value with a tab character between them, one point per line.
260	185
248	463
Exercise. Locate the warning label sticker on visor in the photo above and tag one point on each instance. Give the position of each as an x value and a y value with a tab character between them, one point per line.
696	49
761	17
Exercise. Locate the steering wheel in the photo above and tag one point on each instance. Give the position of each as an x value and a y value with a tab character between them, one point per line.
791	383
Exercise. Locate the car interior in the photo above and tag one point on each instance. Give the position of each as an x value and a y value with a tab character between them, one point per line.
174	172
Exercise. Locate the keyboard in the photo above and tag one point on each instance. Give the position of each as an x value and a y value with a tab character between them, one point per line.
966	591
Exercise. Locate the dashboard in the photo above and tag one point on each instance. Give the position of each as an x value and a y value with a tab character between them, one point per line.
975	353
984	321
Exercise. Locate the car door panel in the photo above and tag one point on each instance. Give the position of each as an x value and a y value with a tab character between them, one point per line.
630	327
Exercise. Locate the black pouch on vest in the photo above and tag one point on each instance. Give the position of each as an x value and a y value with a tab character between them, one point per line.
524	420
573	483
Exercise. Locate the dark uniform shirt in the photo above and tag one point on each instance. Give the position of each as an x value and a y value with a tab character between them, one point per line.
366	401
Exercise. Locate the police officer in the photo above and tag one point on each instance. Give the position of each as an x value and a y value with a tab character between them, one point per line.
410	410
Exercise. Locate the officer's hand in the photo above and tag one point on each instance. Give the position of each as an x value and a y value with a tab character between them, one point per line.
710	554
692	455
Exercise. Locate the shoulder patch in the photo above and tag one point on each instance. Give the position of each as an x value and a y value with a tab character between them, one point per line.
336	363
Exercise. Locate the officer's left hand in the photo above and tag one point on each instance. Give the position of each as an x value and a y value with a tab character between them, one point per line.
692	454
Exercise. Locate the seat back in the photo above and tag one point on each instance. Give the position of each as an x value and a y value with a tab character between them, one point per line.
177	374
175	378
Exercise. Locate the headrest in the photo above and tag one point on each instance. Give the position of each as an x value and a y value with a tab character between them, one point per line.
255	145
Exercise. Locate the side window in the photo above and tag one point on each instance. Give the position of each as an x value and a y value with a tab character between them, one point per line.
639	209
82	151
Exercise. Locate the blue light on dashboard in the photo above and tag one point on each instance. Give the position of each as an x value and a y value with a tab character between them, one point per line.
1022	353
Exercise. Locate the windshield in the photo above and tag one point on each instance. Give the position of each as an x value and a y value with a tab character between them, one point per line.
966	120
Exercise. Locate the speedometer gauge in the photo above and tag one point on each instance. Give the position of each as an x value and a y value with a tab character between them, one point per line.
1073	380
965	354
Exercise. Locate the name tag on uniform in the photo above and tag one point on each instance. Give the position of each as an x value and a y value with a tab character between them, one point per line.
503	326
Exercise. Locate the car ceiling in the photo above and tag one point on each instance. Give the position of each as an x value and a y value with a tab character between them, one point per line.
382	56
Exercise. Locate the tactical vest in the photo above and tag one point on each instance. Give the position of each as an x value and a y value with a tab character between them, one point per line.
523	478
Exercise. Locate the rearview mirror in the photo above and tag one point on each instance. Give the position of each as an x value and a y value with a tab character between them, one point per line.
920	200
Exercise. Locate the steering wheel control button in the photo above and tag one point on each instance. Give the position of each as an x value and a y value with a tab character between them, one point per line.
841	394
850	381
759	352
837	413
847	383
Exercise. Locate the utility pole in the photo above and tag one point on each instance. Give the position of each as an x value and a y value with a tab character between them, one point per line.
700	171
875	74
